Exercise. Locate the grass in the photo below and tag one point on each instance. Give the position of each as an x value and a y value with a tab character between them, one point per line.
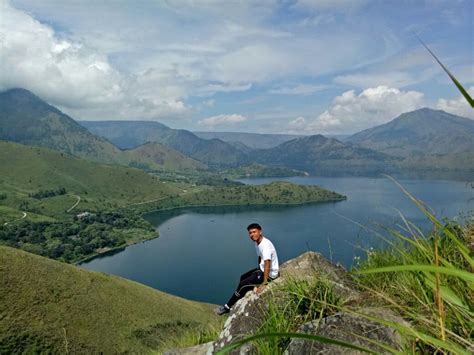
429	280
52	307
275	193
296	302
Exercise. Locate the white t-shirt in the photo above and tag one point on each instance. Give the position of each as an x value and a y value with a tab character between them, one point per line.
266	251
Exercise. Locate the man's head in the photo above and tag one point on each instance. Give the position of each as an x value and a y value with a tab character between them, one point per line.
255	232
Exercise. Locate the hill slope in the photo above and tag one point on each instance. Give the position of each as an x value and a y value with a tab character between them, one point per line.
27	169
318	154
423	131
130	134
155	156
52	307
26	119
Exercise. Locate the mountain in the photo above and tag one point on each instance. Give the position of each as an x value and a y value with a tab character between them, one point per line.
424	131
318	154
26	119
129	134
155	156
52	307
251	140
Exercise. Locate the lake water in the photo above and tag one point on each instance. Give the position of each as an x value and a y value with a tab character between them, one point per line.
201	252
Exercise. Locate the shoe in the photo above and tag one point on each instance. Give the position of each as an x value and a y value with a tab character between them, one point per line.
221	310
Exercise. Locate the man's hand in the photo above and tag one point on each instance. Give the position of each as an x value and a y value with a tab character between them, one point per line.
260	289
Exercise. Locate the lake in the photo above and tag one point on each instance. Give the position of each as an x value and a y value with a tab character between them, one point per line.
202	251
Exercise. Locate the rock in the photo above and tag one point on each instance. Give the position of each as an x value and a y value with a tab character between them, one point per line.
201	349
354	329
248	314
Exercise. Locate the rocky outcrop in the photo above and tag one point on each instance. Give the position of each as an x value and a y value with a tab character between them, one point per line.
351	328
248	314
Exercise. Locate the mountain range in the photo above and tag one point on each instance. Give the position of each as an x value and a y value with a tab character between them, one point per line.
130	134
26	119
424	139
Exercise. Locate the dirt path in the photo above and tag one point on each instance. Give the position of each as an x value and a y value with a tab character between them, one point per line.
77	202
24	216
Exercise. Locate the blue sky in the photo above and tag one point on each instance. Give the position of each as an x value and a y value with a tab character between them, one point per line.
299	66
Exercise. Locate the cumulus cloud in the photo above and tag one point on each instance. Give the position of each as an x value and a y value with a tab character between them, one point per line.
351	112
76	78
302	89
458	106
220	120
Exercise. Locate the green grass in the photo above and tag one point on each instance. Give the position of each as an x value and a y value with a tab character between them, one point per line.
51	307
294	303
275	193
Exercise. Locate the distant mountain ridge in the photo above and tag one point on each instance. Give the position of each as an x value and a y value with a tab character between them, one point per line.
319	154
423	131
27	119
129	134
251	140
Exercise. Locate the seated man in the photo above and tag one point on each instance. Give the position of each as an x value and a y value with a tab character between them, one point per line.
267	271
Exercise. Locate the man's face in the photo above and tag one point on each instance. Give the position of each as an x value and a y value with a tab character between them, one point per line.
255	234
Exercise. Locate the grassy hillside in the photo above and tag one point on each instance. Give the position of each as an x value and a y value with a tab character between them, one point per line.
275	193
27	170
51	307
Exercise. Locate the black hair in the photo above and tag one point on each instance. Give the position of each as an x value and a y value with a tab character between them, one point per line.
254	226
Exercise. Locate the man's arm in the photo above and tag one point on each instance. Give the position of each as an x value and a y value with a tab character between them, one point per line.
266	275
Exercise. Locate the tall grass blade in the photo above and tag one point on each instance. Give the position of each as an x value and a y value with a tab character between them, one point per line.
455	81
467	276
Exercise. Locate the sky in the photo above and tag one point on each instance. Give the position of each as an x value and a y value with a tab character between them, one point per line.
266	66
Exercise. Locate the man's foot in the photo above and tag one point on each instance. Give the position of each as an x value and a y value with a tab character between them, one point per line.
221	310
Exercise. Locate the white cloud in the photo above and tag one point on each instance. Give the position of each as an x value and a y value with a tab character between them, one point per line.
458	106
302	89
324	5
222	120
298	124
77	79
351	112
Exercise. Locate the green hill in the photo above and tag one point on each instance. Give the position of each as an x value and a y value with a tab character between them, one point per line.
51	307
27	170
155	156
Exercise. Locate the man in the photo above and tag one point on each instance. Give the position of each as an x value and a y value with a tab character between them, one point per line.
267	271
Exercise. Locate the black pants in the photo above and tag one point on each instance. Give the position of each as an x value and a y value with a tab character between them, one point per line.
247	282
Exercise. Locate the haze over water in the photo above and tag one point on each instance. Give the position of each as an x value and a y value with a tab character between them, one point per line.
202	251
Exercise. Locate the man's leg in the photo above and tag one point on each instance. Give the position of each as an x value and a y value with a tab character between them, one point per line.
252	279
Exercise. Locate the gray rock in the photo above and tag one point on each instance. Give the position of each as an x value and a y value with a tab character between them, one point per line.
354	329
201	349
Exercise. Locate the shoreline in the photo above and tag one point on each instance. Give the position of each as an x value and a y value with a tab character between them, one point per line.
105	252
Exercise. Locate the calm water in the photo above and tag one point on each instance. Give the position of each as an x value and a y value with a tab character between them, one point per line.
201	252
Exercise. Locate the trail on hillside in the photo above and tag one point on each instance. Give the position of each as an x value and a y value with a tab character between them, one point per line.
24	216
77	202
